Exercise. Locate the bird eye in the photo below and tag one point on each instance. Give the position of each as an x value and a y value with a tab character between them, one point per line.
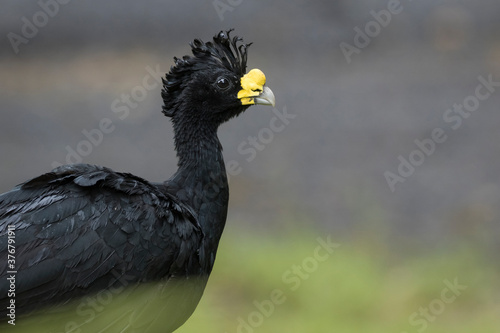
223	83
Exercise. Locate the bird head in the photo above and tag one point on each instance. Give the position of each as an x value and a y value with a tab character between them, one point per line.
212	85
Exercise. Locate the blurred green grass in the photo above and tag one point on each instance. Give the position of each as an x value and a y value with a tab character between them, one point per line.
361	287
288	281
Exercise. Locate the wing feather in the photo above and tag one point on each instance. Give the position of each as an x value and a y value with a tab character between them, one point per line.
80	228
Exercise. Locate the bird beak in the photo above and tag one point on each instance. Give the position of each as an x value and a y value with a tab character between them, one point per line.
266	97
254	90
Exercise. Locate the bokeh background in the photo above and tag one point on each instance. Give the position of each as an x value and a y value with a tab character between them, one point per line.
321	175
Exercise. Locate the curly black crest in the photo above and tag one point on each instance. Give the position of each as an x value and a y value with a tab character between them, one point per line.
224	50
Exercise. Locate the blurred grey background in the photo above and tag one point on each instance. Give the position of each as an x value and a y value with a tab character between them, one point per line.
64	65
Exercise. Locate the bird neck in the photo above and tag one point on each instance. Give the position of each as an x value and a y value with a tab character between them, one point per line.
201	179
196	144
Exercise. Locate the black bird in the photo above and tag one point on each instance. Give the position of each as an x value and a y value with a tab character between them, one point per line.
130	255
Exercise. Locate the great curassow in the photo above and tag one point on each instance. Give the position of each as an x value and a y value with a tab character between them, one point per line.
87	249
